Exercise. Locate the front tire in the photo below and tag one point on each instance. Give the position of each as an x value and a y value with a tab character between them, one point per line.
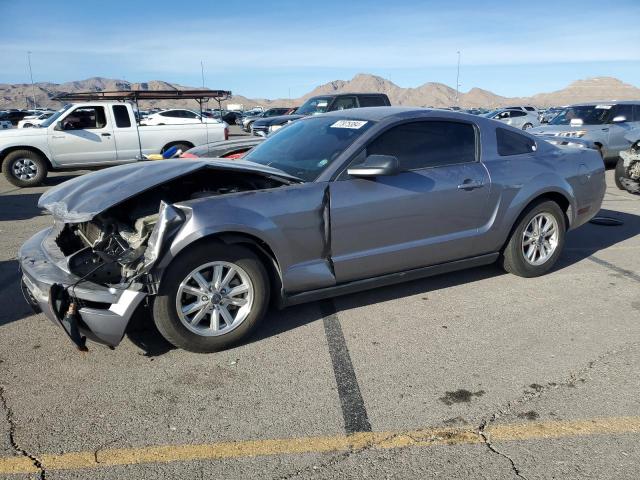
24	168
211	297
527	126
537	241
619	173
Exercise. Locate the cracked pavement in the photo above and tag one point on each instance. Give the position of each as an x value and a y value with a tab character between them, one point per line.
472	350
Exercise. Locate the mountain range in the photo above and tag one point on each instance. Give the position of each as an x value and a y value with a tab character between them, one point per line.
426	95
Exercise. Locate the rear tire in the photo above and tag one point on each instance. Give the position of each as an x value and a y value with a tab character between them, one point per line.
24	168
620	172
528	237
176	291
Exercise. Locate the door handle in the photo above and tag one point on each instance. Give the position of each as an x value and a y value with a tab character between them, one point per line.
57	136
106	134
469	184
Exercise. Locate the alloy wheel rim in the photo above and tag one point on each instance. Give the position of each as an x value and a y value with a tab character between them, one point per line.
540	239
214	298
25	169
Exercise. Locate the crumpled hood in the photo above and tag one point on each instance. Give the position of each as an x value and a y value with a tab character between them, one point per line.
84	197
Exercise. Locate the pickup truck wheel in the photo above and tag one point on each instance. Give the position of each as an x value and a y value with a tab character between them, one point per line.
24	168
536	242
211	298
619	173
527	126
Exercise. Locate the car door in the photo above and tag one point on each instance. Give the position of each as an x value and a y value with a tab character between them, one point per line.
429	213
125	134
190	117
617	130
84	136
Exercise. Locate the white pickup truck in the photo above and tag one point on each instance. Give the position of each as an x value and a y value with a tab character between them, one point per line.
93	134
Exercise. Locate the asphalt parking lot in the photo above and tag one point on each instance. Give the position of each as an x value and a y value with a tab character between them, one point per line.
476	374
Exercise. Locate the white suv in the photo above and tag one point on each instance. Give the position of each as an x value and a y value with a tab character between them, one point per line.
177	116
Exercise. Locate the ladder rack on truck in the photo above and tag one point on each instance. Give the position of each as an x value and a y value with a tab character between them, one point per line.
200	96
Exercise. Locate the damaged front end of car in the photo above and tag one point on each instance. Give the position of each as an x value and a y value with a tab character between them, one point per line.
96	265
629	174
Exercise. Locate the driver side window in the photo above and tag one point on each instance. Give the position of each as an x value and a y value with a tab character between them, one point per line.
425	144
85	118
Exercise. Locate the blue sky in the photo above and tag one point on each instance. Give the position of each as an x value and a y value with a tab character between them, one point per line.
278	48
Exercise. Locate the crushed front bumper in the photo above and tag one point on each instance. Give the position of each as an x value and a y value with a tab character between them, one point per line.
104	312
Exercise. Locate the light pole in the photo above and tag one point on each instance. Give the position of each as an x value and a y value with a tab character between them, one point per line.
202	71
33	88
458	79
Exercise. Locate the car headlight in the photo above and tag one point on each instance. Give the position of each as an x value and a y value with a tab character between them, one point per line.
273	128
574	134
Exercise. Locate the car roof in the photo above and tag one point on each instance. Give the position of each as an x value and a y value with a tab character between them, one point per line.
376	114
348	94
605	102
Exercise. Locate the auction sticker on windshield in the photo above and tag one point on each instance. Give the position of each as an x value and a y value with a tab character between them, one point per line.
604	107
355	124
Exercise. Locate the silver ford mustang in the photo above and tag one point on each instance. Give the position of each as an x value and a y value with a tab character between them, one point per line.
329	205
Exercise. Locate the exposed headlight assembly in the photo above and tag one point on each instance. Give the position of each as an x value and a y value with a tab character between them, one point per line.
169	220
273	128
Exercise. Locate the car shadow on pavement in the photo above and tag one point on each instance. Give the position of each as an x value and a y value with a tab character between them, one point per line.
14	307
278	322
581	243
19	207
143	333
52	181
588	239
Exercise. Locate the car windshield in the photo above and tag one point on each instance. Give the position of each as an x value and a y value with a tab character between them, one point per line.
306	148
589	114
55	116
491	114
314	106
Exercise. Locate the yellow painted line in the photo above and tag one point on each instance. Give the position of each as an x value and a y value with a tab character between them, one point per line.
339	443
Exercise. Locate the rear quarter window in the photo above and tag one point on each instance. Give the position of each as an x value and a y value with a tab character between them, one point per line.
512	143
121	115
372	101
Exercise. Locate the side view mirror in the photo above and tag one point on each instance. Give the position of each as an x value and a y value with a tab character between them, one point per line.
376	166
619	119
58	127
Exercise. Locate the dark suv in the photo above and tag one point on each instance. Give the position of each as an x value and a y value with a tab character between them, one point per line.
321	104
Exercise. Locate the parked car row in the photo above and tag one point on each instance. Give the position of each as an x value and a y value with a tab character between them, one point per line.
15	116
317	105
605	124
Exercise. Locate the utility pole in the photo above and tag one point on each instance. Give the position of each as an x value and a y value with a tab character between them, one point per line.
202	71
33	88
458	79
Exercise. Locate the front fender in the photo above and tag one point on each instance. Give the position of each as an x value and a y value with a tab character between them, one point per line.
289	220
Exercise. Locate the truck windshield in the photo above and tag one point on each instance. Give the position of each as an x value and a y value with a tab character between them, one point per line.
589	114
314	106
307	147
55	116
